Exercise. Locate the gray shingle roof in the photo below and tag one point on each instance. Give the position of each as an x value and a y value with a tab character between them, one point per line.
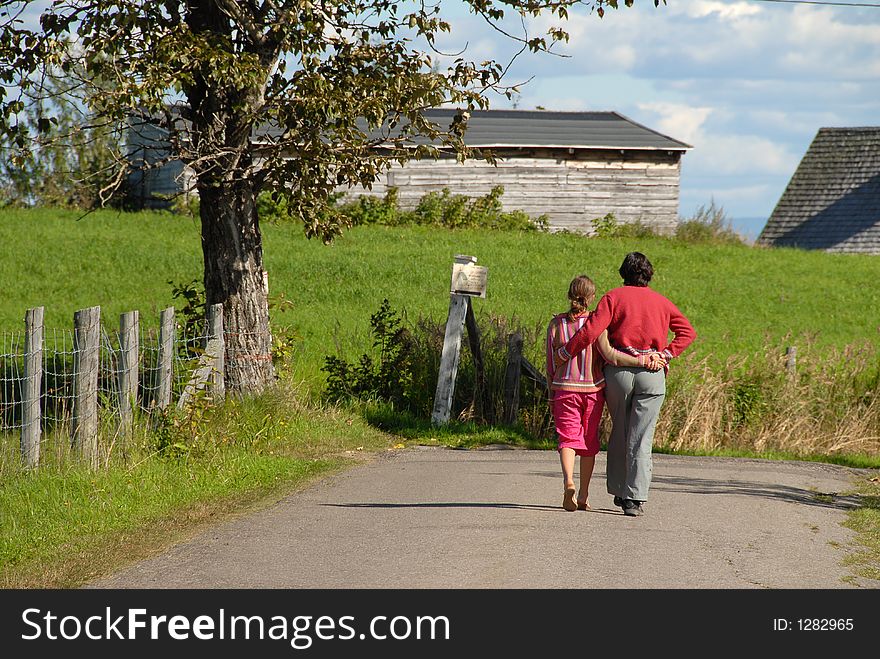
542	128
833	199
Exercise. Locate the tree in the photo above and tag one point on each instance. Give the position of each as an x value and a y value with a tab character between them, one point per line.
238	85
70	162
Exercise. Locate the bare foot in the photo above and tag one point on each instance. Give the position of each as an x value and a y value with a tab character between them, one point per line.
583	504
568	501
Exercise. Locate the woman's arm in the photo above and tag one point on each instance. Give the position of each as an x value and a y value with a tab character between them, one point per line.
682	329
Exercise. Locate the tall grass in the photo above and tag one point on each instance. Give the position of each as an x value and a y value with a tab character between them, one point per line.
825	404
829	406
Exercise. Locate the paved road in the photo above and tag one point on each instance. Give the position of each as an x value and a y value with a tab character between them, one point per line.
442	518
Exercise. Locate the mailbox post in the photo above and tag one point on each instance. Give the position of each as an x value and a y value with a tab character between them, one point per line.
468	280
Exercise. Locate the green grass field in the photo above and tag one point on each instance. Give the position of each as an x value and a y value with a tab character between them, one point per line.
740	299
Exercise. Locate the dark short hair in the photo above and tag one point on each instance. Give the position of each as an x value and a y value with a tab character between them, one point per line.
636	269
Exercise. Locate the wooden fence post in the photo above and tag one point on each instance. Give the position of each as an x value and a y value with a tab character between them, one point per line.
473	332
208	373
166	358
129	350
217	348
31	389
449	359
86	354
511	377
791	360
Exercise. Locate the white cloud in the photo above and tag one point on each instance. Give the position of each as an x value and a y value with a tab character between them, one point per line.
719	152
713	38
786	121
681	122
725	10
744	154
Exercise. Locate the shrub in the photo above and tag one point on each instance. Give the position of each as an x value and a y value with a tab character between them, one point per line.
444	209
385	376
708	226
609	227
373	210
408	366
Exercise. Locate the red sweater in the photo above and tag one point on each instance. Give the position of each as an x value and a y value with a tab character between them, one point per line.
638	320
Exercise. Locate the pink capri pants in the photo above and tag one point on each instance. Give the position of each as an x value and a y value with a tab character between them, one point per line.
577	415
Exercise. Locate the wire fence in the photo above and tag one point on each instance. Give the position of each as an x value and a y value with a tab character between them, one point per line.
91	376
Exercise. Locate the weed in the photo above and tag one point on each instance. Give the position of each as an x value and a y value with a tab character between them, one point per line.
386	376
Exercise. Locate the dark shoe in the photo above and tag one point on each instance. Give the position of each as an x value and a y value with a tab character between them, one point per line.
632	508
618	501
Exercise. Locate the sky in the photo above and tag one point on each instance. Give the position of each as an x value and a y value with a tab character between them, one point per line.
747	83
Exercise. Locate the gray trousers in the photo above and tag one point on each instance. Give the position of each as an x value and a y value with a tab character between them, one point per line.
634	397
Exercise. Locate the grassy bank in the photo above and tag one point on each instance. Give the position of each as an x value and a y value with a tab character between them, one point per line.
740	299
729	391
65	524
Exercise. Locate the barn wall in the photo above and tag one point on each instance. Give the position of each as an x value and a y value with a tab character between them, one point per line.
156	187
571	189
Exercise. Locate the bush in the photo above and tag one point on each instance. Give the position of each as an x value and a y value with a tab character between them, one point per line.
708	226
444	209
609	227
385	376
373	210
406	369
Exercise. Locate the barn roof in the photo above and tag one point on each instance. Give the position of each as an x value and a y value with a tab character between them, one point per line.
833	199
543	128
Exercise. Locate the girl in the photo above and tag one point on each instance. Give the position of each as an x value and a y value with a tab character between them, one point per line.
576	390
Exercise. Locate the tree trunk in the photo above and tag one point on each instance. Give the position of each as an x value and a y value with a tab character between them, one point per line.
232	246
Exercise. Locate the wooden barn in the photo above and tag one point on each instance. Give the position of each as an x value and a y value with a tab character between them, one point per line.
156	179
832	202
571	166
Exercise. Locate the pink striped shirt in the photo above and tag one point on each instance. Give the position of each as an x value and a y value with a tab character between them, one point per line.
583	372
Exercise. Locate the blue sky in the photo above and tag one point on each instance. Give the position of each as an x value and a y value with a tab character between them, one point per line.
746	82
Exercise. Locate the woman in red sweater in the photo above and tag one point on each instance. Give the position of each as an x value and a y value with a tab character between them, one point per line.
638	321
